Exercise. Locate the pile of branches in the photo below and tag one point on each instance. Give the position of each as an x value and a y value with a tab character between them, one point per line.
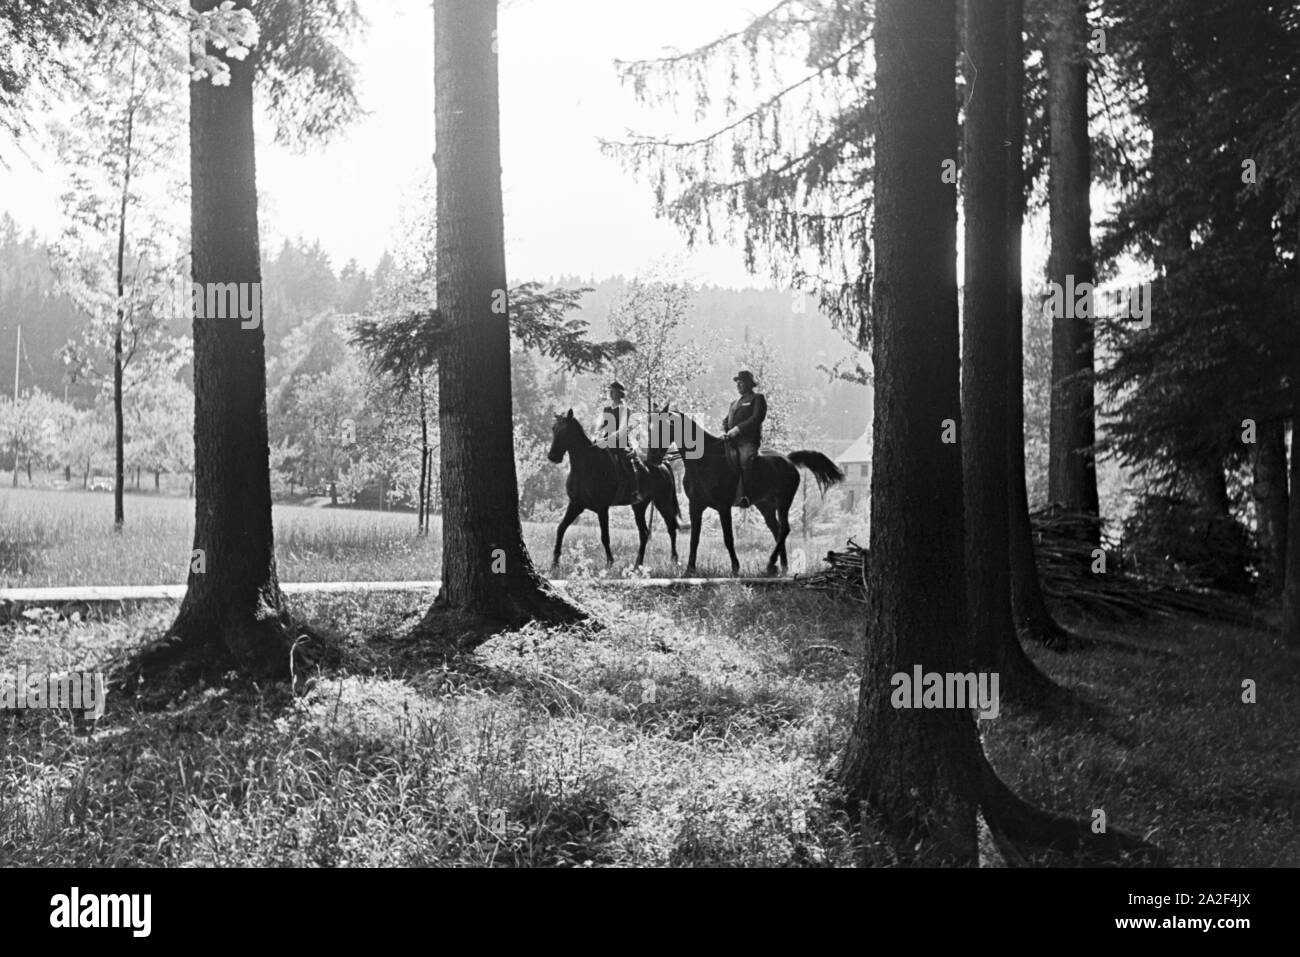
1073	573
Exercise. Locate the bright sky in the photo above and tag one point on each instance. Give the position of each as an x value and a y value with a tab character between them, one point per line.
568	208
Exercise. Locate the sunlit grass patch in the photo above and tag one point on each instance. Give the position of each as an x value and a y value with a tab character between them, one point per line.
548	747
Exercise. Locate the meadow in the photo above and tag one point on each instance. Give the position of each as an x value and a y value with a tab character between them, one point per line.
697	729
52	538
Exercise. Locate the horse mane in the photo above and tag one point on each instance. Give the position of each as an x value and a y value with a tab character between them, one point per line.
577	422
708	436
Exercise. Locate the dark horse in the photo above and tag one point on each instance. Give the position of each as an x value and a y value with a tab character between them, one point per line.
593	483
710	482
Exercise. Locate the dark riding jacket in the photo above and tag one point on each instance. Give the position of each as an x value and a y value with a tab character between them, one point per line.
747	414
616	437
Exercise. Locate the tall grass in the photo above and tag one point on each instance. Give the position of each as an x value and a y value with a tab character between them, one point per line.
696	729
50	538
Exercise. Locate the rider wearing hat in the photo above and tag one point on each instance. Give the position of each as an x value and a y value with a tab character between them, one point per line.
743	427
613	432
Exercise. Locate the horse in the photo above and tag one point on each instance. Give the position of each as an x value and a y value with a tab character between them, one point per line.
711	476
593	483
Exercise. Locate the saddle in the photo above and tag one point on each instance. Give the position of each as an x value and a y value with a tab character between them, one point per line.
634	484
733	457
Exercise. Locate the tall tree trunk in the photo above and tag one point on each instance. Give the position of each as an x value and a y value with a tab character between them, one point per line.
1028	607
921	774
233	613
914	771
119	438
421	520
486	569
1269	470
984	377
1072	472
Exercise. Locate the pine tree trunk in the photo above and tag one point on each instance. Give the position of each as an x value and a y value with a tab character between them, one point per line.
1028	607
1072	473
1268	466
233	613
913	772
984	377
486	569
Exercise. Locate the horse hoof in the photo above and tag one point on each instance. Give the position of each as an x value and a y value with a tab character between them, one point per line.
771	571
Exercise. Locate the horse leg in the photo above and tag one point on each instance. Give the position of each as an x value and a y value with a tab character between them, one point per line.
773	526
570	516
604	535
642	528
666	506
697	518
729	539
670	523
784	515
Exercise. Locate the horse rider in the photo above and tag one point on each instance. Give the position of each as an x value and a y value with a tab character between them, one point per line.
613	432
743	428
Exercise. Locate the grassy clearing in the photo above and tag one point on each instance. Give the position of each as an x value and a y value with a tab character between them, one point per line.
551	749
50	538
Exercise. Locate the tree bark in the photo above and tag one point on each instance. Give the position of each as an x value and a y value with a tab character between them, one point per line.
984	378
1272	502
1028	607
914	771
1072	473
486	569
233	614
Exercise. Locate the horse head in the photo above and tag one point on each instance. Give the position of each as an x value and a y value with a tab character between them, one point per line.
566	435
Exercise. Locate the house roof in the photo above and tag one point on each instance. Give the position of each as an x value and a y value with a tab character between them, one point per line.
859	451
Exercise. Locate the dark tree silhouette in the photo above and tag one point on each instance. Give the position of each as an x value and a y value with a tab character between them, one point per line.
921	775
234	614
1072	472
984	379
486	570
1028	607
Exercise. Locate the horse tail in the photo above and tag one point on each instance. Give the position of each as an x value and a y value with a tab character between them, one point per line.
826	472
